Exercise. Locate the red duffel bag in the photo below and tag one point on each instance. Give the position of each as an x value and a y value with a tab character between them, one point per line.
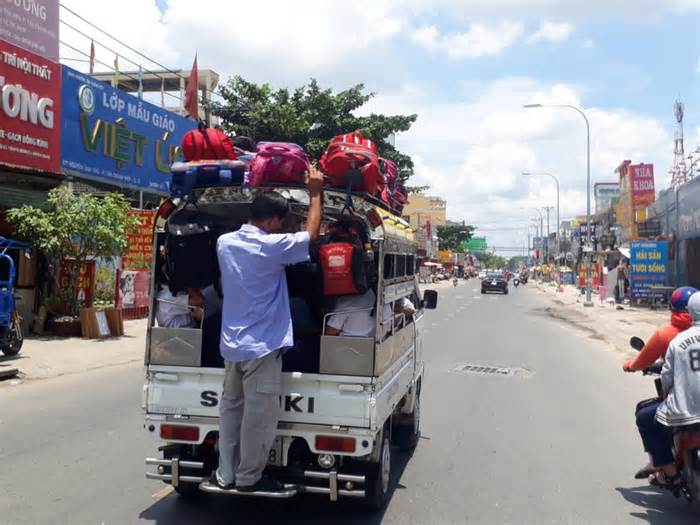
206	143
351	161
394	193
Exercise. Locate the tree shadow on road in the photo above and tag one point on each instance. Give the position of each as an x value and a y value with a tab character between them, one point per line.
658	506
303	509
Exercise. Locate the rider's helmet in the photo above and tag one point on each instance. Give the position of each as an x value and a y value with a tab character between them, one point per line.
679	298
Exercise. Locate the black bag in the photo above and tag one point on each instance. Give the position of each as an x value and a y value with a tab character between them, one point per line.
190	256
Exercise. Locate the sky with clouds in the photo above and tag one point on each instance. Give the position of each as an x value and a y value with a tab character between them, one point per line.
465	67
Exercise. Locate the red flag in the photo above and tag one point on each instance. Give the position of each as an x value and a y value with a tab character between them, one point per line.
191	91
92	57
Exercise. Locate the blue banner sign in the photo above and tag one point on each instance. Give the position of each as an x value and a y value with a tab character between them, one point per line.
648	266
111	136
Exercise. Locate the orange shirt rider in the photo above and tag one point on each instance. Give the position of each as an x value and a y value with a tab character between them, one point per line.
656	347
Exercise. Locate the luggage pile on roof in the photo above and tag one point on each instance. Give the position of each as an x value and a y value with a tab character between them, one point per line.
351	163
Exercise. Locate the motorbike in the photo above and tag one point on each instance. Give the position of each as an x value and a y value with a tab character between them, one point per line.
516	282
11	337
686	440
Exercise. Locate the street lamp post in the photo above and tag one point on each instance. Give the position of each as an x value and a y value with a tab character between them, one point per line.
589	301
556	180
541	234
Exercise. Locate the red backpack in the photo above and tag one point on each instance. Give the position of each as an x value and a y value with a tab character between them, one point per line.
347	265
206	143
351	161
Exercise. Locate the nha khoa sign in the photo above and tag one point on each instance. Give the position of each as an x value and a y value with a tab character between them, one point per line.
642	184
114	137
30	97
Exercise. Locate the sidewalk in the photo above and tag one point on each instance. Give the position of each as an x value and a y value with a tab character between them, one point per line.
45	357
603	321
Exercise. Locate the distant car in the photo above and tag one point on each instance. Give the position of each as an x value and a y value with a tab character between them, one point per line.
482	274
494	282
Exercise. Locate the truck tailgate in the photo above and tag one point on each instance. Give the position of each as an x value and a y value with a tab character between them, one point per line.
305	398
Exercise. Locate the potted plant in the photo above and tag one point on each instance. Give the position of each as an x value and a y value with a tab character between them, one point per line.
71	229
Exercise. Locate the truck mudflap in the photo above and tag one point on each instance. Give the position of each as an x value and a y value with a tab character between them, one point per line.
331	483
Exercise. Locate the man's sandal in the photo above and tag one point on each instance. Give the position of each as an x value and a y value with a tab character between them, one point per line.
673	484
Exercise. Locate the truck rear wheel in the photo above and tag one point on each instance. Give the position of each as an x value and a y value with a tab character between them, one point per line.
378	476
409	429
185	490
188	491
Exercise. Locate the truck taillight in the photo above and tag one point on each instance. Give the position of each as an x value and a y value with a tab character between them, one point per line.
166	208
179	432
335	443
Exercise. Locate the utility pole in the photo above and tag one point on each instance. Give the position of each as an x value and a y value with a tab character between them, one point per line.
547	209
587	247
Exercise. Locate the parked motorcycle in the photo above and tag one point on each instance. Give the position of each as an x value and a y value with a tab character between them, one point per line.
11	336
686	440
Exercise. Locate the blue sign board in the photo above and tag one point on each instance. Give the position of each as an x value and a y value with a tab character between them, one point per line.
648	266
111	136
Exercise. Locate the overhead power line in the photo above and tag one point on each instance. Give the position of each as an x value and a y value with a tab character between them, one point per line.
135	79
127	59
121	42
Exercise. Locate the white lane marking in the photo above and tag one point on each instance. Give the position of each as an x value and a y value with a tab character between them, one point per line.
163	492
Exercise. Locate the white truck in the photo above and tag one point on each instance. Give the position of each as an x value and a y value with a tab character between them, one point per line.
345	400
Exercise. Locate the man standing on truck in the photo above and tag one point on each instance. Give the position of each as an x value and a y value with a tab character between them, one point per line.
256	327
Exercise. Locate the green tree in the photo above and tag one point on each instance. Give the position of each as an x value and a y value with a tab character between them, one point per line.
75	227
491	260
308	116
452	236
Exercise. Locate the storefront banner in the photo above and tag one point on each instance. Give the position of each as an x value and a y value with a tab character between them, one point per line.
30	130
648	266
596	275
133	289
32	25
139	254
111	136
642	184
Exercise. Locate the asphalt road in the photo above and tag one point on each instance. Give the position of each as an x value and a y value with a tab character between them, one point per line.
552	441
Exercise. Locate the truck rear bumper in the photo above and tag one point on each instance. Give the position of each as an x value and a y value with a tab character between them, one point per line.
339	484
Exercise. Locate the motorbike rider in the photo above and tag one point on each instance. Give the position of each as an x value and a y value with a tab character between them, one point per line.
656	347
680	378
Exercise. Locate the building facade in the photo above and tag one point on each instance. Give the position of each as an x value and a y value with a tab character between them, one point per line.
425	214
604	194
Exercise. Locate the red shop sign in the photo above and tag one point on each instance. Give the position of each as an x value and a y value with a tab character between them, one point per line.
596	275
86	281
30	118
140	252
